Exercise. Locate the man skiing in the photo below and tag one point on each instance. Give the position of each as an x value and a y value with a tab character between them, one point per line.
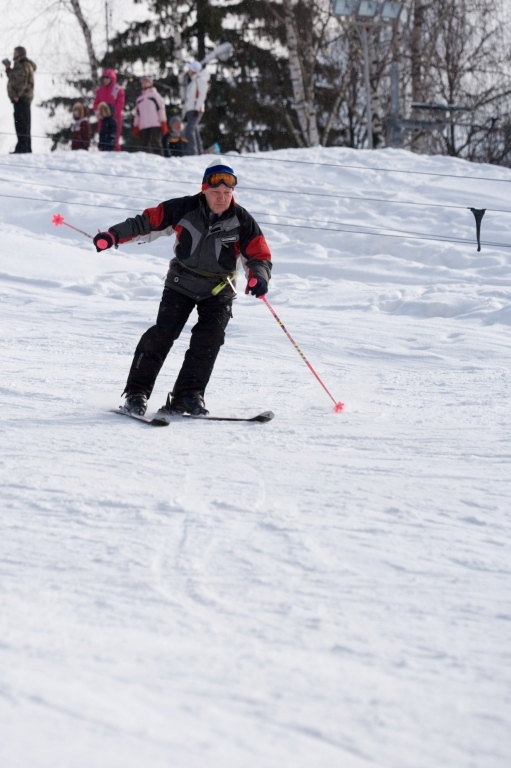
212	234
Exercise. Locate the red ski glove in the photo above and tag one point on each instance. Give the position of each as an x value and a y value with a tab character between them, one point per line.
136	132
164	129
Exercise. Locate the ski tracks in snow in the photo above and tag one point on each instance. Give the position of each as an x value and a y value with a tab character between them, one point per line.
327	589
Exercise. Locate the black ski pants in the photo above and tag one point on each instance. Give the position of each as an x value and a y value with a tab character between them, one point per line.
151	140
22	125
207	337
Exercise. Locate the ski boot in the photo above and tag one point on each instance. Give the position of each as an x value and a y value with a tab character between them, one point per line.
192	404
136	403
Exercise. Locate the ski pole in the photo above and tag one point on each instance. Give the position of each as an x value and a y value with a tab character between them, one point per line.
58	221
337	406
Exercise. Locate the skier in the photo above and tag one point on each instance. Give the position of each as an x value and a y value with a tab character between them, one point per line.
212	234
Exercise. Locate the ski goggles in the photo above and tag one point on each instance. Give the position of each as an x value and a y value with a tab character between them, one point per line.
229	179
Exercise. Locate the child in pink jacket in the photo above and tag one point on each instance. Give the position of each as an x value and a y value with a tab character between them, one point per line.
150	122
112	94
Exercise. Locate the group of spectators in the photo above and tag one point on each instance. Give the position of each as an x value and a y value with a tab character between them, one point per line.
151	130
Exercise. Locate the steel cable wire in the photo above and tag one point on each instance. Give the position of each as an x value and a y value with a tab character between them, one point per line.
253	189
379	233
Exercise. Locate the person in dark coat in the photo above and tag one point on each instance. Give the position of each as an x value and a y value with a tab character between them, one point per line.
20	89
108	130
80	128
174	144
213	233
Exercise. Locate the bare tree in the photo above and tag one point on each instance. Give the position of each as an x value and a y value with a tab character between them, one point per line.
300	70
309	28
454	52
86	30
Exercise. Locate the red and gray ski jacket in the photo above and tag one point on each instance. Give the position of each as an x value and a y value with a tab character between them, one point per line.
206	252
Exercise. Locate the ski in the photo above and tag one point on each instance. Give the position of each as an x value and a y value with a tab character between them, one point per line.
153	422
163	419
262	418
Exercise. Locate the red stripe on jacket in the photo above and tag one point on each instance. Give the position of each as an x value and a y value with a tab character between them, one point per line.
258	249
155	216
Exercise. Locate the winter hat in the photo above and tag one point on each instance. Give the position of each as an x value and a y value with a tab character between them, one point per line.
217	166
147	79
111	76
194	66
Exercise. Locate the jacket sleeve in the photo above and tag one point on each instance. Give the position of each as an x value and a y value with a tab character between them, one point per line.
189	99
119	103
201	92
148	226
162	115
85	132
97	102
254	249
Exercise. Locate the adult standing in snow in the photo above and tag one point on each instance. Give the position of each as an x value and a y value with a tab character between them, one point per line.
112	94
196	90
212	234
150	122
20	89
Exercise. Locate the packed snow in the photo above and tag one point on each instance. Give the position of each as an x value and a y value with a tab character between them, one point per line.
329	589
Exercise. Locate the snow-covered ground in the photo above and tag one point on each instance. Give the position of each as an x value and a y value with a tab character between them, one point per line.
325	590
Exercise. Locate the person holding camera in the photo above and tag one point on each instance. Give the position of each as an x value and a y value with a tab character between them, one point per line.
20	89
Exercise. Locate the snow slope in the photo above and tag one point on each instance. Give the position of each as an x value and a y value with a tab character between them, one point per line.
324	590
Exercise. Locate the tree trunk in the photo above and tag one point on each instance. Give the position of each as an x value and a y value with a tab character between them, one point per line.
93	62
202	9
416	58
305	107
337	103
373	83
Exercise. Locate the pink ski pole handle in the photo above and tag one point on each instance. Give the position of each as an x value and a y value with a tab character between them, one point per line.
337	406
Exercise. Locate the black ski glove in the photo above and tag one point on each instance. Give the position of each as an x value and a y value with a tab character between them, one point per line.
103	241
258	286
